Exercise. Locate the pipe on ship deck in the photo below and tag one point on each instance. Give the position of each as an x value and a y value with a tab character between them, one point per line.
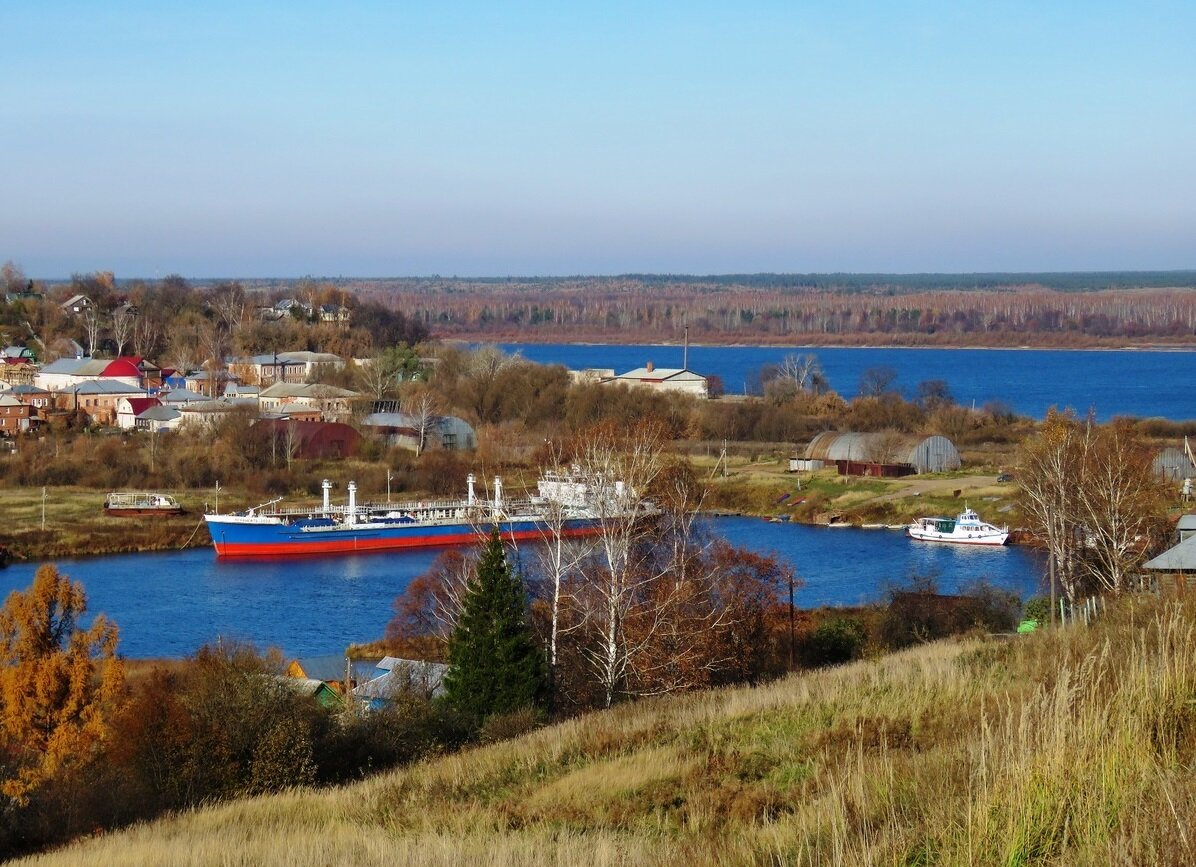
351	515
327	487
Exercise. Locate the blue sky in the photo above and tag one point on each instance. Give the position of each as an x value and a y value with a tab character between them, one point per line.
382	139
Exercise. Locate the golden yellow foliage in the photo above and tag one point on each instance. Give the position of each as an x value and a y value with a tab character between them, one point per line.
58	682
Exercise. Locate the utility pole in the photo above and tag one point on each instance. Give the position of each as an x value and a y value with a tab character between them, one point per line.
685	352
43	508
388	477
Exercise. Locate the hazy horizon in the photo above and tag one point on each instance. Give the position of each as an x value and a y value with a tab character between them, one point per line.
206	278
476	140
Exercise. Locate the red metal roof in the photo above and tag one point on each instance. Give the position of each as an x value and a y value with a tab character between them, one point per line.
122	367
141	404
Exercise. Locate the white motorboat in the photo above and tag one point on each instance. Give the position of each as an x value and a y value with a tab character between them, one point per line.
964	529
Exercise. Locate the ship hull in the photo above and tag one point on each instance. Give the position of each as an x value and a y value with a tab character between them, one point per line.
136	512
236	539
990	541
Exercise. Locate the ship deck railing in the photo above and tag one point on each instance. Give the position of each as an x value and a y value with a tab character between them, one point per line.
481	510
129	499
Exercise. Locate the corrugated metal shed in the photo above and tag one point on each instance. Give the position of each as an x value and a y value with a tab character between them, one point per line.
927	454
1172	464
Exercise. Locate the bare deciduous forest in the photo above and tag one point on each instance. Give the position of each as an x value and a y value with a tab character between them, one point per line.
923	309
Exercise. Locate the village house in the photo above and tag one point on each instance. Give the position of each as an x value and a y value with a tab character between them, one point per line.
333	670
129	408
317	690
295	366
293	307
15	417
266	370
179	397
395	677
130	370
294	412
241	391
38	398
157	419
313	362
335	313
209	413
77	304
20	353
678	379
332	402
97	399
211	383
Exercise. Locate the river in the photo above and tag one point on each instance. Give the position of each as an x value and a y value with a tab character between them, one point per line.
1136	382
168	604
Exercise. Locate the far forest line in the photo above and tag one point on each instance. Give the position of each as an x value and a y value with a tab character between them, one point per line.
1063	310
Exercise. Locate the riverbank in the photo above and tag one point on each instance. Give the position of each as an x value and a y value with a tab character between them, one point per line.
75	525
1025	342
765	489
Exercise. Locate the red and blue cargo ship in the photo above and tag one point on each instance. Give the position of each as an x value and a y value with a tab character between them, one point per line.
565	504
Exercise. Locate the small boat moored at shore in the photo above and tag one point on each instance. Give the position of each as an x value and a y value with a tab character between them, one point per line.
121	504
964	529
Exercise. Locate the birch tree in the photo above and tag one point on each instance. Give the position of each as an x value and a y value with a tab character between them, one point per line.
423	408
620	467
147	331
122	330
1121	502
1049	469
91	329
558	561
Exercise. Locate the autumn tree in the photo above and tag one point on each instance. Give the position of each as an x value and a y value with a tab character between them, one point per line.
1048	472
379	376
878	381
421	405
620	465
428	610
795	374
1121	502
59	682
122	328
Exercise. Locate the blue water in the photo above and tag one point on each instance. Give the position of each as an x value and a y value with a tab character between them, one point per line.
171	603
1142	383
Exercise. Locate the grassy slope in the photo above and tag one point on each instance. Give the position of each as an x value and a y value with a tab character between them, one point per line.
1065	748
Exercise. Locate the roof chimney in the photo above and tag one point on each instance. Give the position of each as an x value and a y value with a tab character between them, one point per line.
650	367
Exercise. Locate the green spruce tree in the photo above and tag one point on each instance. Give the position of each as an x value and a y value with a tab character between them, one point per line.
496	664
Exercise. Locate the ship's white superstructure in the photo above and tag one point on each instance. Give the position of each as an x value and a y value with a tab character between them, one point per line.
964	529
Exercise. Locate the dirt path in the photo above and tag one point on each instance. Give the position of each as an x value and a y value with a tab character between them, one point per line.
917	487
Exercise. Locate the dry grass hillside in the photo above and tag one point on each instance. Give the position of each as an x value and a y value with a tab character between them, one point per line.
1075	747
